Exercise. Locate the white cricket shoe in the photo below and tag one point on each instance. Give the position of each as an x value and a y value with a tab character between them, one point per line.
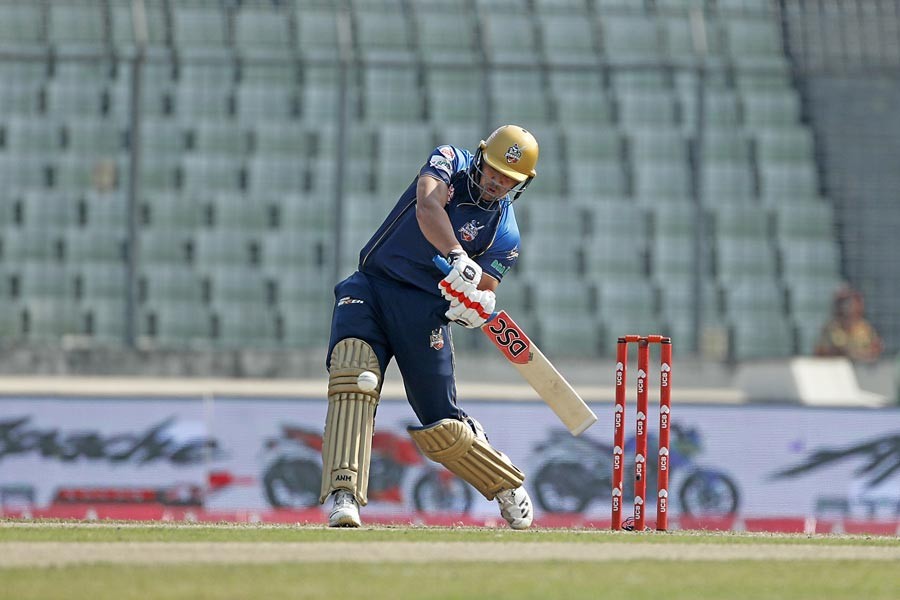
515	507
344	511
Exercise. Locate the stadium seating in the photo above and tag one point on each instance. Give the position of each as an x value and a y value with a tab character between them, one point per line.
239	162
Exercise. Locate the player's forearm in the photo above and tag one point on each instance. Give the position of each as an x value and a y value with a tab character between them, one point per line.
431	196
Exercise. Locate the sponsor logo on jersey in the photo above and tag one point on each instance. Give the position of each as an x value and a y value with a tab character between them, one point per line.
348	300
440	163
500	267
437	339
470	230
513	254
513	154
448	152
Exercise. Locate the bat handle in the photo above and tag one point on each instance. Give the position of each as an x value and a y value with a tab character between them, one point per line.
441	263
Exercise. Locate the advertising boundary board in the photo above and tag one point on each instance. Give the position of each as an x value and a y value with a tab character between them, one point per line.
241	458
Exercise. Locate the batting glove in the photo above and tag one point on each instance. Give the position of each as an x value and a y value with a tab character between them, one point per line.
463	278
472	310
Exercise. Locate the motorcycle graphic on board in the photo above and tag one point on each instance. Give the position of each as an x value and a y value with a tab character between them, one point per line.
293	473
573	472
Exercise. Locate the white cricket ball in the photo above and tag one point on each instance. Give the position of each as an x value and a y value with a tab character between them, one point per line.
367	381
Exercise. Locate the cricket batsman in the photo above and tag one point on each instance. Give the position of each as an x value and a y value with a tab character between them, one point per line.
399	305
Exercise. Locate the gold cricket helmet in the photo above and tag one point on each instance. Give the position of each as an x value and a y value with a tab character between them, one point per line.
511	150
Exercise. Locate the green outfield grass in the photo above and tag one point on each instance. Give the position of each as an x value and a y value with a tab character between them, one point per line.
668	569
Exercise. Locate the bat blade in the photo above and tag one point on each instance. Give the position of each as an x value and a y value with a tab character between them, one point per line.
540	373
534	368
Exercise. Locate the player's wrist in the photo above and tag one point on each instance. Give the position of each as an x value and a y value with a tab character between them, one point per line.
455	254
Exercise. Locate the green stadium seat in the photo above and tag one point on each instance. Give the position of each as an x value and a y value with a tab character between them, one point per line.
446	35
518	97
674	219
785	144
569	335
726	145
799	220
455	96
170	283
614	256
566	295
33	135
197	99
586	142
770	108
673	255
383	34
199	26
74	172
565	7
809	259
258	28
25	172
593	177
81	25
317	32
630	37
720	108
123	24
164	246
678	300
568	39
392	93
240	212
227	284
47	210
658	144
170	212
21	23
104	320
724	181
43	280
174	324
50	319
627	303
583	107
738	258
203	174
94	137
662	179
85	245
548	252
320	95
69	98
678	35
789	181
258	101
299	330
614	218
100	281
295	247
754	295
104	211
20	245
509	39
267	174
406	143
741	220
748	38
644	108
304	213
758	336
243	325
216	137
274	137
226	247
161	137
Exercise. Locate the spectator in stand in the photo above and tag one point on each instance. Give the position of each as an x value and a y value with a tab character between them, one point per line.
848	333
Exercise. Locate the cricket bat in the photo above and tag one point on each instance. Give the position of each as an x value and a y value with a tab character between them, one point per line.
534	367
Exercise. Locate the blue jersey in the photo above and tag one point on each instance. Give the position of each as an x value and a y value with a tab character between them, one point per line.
399	250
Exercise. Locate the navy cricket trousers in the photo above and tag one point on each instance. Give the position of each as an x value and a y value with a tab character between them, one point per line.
407	324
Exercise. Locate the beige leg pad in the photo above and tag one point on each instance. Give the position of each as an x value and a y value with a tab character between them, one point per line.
453	444
347	444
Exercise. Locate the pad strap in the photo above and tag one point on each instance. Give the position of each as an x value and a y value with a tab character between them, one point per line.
454	444
350	422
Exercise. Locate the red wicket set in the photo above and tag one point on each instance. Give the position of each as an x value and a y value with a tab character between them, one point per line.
640	451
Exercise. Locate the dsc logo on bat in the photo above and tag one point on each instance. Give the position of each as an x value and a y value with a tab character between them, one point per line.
511	340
